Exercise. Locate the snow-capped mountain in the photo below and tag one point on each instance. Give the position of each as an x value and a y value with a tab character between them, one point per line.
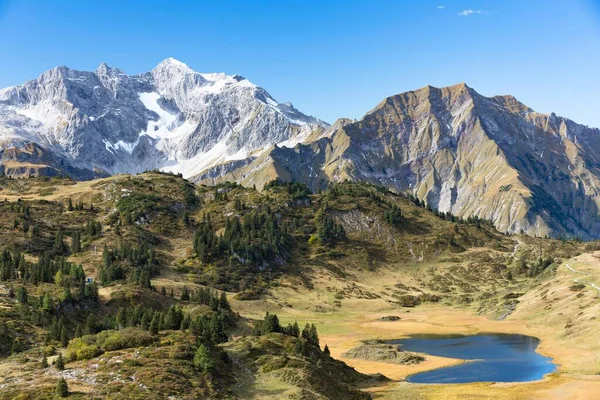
107	122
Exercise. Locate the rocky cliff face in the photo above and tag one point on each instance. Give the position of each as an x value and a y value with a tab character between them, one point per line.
107	122
459	151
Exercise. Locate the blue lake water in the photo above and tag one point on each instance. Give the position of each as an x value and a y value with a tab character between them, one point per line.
498	358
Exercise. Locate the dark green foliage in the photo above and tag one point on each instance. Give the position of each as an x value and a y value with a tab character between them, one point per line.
473	220
203	359
6	339
394	215
59	248
239	205
268	325
137	264
296	190
60	362
212	327
137	205
93	228
47	303
185	294
252	244
75	242
48	268
62	389
291	330
540	266
328	231
189	194
18	345
21	295
309	333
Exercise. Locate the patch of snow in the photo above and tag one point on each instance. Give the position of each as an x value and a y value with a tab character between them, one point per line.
108	145
199	162
292	142
165	127
150	101
43	112
240	155
128	147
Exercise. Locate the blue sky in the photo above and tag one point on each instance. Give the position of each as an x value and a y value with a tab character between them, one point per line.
334	58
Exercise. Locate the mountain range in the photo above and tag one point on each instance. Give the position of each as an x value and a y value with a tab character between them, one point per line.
458	151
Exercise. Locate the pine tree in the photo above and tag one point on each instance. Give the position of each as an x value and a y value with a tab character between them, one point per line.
44	363
67	296
90	325
76	242
203	360
314	337
70	204
62	388
78	331
47	303
64	338
185	294
59	244
154	325
21	295
60	362
326	351
223	302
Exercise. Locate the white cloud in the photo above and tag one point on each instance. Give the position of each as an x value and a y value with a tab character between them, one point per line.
441	7
466	13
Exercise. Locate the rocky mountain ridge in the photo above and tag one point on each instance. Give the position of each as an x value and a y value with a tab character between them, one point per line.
106	122
460	152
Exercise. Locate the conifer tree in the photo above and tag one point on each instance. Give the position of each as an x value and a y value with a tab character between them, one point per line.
64	338
62	388
76	242
203	360
154	325
60	362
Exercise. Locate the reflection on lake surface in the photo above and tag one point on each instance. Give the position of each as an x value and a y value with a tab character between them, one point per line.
498	358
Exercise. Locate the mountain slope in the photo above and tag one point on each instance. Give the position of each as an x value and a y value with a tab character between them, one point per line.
461	152
107	122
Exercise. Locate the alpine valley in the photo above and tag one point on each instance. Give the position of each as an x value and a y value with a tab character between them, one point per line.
178	235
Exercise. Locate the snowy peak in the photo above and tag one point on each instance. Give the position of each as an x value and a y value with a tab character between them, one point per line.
172	63
171	117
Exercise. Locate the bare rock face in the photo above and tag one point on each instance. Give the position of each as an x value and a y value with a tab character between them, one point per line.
171	118
461	152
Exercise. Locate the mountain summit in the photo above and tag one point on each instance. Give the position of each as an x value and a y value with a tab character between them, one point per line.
106	122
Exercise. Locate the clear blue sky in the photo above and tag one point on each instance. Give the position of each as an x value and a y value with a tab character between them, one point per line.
331	58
